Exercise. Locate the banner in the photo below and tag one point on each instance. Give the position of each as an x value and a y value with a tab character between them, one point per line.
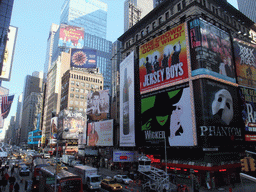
100	133
163	60
166	116
6	103
210	51
71	36
83	58
218	114
245	59
54	129
127	118
248	107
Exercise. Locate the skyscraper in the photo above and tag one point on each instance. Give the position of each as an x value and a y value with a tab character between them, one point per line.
135	10
248	7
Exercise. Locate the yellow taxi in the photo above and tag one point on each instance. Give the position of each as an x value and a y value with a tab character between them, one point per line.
111	185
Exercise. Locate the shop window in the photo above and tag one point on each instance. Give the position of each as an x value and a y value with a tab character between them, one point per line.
179	7
160	20
153	25
167	15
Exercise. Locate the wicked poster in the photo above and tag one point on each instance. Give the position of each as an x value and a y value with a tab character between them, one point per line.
166	116
210	51
218	118
245	59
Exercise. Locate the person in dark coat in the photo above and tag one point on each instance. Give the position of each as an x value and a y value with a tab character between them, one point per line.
16	187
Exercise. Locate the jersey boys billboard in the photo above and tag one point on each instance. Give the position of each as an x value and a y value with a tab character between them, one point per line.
245	59
163	60
166	115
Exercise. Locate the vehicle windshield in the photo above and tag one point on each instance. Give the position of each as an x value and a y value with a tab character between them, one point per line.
112	182
125	177
71	186
95	179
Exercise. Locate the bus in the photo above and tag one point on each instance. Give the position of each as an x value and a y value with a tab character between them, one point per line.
36	169
66	181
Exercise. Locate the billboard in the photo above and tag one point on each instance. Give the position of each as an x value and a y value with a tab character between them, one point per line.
54	129
166	116
83	58
210	49
245	59
8	54
218	116
124	156
74	121
71	36
248	107
100	133
127	118
163	60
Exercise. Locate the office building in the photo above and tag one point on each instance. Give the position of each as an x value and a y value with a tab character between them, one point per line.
248	8
135	10
195	136
5	18
18	118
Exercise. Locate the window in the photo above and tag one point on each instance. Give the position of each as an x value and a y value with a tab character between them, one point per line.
167	15
87	85
81	96
70	108
71	102
76	102
77	96
183	4
137	37
153	25
142	33
72	82
160	20
81	109
72	89
71	95
76	108
77	90
147	29
77	83
82	90
81	103
82	84
179	7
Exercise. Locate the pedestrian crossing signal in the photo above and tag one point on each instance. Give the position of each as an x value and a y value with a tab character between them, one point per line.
252	164
248	164
244	164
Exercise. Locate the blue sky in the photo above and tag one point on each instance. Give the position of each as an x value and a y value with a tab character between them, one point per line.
33	19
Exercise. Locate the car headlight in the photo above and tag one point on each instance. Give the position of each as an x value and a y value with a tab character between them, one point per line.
114	187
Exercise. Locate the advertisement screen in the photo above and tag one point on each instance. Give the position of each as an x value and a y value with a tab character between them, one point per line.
173	124
8	54
100	133
248	106
210	51
163	60
218	116
74	121
123	156
245	59
127	118
83	58
71	36
54	129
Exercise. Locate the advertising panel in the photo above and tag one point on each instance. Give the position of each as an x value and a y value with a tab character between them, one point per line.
83	58
74	121
218	119
210	51
100	133
8	54
166	116
163	60
127	118
245	59
54	129
123	156
71	36
248	106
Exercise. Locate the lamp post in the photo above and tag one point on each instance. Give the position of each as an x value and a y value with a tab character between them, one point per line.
165	155
57	140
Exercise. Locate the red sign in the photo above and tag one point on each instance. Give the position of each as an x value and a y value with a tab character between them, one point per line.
123	157
250	137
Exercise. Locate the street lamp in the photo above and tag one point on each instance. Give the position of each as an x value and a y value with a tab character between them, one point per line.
57	140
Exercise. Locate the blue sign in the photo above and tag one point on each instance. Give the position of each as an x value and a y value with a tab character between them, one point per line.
83	58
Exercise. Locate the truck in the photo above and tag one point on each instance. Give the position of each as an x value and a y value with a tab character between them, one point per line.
91	179
67	159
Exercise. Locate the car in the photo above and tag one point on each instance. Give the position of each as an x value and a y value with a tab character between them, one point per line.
24	171
111	185
122	179
62	166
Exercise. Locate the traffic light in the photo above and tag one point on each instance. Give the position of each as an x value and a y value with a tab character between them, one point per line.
244	164
252	164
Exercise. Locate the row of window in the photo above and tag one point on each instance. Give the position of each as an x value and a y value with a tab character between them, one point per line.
85	78
77	109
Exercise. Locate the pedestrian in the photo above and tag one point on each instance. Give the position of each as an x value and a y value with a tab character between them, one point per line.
16	187
4	181
12	170
6	175
11	187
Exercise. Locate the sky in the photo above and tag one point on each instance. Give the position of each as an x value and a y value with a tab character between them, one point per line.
33	19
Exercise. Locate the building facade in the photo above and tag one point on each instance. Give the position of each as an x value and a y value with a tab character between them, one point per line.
248	8
189	34
18	118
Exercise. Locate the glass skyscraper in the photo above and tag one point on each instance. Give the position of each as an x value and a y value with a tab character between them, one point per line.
248	7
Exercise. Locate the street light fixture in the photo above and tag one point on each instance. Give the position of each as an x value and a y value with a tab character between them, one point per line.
57	140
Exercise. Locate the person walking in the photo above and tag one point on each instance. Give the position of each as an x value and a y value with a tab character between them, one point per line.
16	187
12	170
4	182
11	187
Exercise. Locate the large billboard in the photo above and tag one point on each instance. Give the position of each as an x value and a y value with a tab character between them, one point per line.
100	133
218	116
245	59
166	117
127	118
71	36
248	107
9	54
83	58
163	60
210	51
54	129
74	121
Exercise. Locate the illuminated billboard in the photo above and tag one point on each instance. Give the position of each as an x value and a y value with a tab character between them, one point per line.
245	59
248	106
83	58
74	121
54	129
218	116
166	116
163	60
127	117
9	54
210	51
71	36
100	133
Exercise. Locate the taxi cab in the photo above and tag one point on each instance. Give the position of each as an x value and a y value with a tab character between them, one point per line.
111	185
